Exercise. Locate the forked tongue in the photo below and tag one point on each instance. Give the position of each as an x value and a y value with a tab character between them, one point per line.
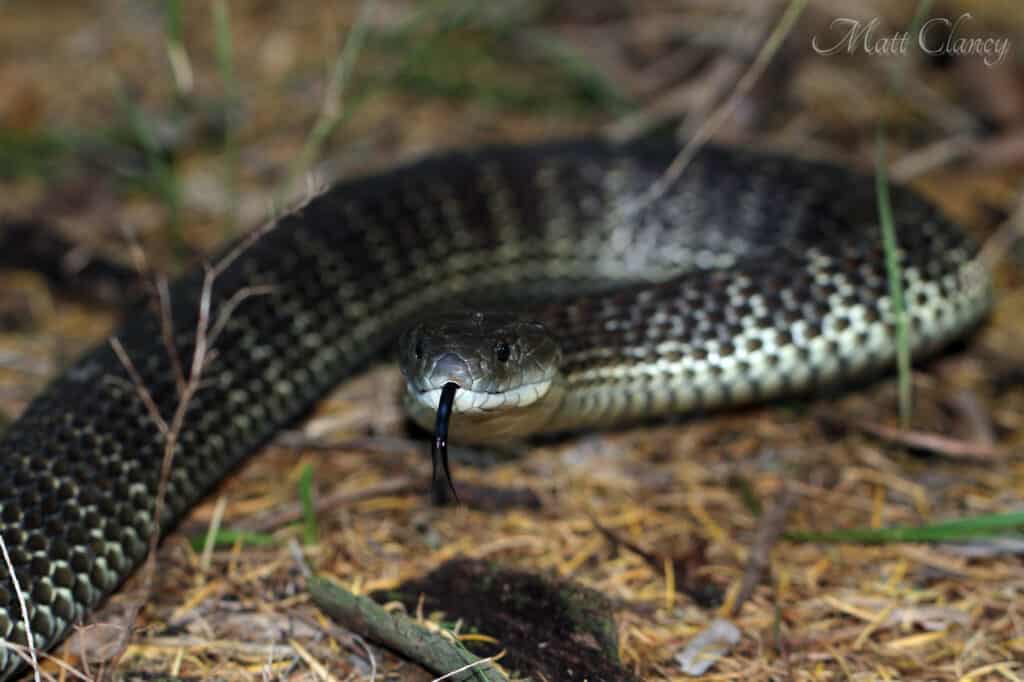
441	479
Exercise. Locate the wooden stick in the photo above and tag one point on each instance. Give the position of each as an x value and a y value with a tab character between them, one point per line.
433	650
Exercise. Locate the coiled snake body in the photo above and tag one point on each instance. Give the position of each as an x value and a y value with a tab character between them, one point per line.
752	276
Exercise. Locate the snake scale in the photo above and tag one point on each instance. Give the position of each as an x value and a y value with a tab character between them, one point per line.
752	276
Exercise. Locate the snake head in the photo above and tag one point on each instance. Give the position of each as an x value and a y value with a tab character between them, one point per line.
503	364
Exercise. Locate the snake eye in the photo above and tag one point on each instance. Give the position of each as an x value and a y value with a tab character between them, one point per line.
418	349
502	351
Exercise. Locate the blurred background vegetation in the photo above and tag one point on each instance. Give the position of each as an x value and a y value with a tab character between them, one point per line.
183	122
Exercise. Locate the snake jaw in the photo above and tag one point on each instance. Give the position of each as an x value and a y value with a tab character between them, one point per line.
471	402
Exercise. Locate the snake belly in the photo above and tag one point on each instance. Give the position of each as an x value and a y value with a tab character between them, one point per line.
752	276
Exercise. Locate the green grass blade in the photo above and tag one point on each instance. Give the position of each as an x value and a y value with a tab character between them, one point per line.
899	74
232	106
163	179
226	537
970	528
890	244
27	153
174	44
894	274
333	112
310	532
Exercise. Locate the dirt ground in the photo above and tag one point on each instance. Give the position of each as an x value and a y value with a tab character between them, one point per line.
116	119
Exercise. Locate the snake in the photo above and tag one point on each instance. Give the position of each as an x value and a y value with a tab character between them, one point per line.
546	281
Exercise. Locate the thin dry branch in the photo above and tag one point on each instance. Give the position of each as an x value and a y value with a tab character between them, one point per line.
769	530
162	295
934	442
228	308
243	245
33	661
27	654
331	107
16	362
468	666
167	330
1006	235
931	157
207	329
706	130
437	651
140	386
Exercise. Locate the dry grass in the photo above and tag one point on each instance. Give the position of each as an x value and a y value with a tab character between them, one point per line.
644	515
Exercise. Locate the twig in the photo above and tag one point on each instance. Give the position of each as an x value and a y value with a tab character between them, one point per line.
268	666
369	655
925	100
978	426
318	668
331	111
25	365
24	608
468	666
930	157
680	572
1006	235
205	643
167	331
229	307
933	442
691	95
722	113
206	557
437	651
69	267
162	297
769	530
23	652
144	394
201	354
300	560
243	245
999	151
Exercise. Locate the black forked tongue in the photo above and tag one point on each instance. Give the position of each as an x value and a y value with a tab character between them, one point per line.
441	479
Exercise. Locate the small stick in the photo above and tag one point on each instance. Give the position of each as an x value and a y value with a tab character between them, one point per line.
24	609
934	442
715	120
769	530
438	652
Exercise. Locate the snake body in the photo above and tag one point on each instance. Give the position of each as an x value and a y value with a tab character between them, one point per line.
752	276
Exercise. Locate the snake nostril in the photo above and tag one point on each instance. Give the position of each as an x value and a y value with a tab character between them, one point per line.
451	368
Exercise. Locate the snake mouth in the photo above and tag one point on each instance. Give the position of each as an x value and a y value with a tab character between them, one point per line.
467	401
